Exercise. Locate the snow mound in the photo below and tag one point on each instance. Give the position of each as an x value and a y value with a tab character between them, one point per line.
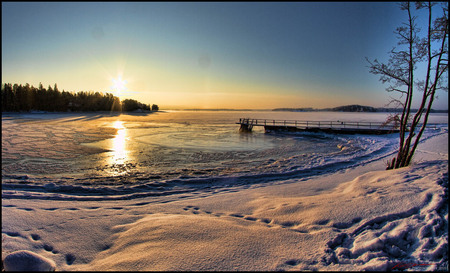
24	260
175	242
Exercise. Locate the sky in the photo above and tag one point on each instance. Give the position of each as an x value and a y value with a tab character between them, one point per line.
184	55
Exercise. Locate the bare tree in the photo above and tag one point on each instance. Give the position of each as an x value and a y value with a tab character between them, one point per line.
430	52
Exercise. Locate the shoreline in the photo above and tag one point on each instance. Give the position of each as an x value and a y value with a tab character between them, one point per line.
325	222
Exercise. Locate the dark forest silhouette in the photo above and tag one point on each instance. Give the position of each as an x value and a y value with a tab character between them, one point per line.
19	98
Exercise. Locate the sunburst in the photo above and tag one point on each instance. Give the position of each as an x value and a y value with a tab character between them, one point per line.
119	85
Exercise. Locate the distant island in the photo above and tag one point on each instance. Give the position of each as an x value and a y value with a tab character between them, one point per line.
26	98
353	108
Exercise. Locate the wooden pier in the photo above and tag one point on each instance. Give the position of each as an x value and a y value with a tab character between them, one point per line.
336	127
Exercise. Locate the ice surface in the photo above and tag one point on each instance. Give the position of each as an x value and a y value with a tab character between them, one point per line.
96	156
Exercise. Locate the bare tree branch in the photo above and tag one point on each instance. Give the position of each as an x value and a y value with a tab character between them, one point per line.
431	51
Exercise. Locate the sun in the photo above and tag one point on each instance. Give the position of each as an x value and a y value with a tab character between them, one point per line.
118	85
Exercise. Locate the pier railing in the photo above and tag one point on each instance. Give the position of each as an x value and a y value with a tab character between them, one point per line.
316	124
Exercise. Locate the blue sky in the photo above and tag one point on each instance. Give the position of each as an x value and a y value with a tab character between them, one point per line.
258	55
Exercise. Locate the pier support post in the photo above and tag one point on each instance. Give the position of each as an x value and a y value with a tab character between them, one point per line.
245	128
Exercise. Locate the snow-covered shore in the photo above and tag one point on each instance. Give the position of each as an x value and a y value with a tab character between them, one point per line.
360	218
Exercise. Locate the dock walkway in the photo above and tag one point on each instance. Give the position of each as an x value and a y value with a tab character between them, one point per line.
337	127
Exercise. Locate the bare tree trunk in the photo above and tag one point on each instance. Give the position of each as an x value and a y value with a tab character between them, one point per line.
401	68
428	92
404	147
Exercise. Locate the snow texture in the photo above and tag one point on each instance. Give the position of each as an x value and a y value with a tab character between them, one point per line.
331	217
24	260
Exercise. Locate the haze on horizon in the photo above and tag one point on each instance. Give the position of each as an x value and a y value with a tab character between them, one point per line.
233	55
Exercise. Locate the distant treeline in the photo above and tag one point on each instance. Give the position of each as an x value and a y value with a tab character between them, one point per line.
19	98
353	108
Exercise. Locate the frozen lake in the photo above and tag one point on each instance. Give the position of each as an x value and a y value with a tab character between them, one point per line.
168	152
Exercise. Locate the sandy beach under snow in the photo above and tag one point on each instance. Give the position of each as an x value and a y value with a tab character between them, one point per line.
361	218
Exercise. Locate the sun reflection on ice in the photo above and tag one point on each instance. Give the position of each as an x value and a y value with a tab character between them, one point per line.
119	144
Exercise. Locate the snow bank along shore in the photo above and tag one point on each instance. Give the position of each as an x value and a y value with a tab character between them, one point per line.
360	218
